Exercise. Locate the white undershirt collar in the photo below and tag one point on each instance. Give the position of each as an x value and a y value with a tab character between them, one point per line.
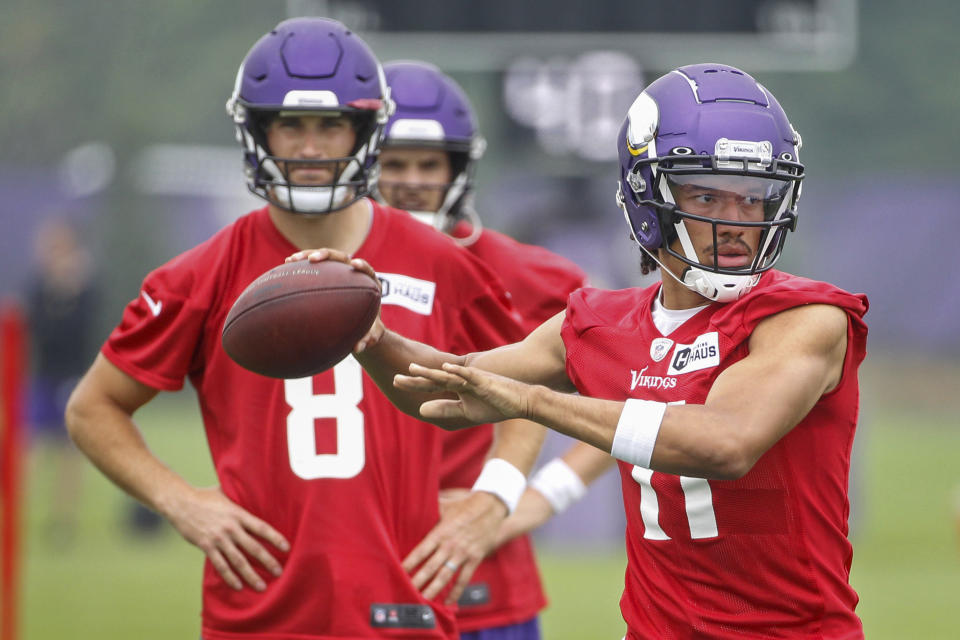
669	320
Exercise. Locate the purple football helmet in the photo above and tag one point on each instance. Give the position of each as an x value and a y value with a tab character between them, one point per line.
710	127
432	111
310	66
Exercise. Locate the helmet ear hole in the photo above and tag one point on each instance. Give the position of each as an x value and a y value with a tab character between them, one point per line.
259	123
459	162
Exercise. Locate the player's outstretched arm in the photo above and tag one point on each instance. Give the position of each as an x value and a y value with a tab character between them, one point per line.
470	521
99	418
796	356
539	359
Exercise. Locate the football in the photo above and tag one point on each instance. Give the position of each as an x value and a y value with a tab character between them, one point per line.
300	318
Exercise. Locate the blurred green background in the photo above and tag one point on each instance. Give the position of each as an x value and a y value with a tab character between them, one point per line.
879	215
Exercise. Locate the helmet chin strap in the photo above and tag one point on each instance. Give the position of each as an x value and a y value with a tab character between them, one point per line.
719	287
712	286
325	199
476	225
440	221
313	200
429	218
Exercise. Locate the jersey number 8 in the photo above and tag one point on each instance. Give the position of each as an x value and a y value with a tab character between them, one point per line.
343	406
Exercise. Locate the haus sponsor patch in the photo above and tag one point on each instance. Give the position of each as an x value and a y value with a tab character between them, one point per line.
702	354
409	293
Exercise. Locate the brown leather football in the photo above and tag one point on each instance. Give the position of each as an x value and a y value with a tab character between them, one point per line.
300	318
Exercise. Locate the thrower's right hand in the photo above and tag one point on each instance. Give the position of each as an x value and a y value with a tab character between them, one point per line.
373	336
229	535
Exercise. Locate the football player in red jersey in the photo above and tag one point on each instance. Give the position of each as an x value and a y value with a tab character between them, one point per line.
321	479
427	165
728	392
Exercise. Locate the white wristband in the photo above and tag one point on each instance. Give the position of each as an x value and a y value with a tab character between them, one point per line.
637	431
559	484
503	480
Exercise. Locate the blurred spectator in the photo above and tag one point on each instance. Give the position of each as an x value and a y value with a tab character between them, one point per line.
62	304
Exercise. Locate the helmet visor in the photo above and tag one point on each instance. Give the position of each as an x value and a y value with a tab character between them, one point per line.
727	223
729	198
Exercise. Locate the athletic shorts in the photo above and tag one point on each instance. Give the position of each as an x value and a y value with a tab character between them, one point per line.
529	630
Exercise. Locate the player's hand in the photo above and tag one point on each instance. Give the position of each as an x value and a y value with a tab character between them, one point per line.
481	396
229	535
372	336
532	511
319	255
466	533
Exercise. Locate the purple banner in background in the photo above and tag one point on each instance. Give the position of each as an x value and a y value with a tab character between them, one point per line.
893	238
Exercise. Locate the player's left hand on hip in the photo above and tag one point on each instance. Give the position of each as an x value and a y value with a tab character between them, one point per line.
450	553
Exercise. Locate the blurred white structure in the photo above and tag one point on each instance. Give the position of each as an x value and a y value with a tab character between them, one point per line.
576	106
86	169
207	171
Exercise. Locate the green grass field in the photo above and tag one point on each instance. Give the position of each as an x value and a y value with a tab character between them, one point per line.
109	585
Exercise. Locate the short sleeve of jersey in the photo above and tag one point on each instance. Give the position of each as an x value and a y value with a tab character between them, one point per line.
780	291
580	314
589	308
487	323
159	335
538	280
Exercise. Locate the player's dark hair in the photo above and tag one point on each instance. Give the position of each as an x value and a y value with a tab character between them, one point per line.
647	263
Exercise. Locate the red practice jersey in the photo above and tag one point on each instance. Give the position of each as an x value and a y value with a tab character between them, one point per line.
349	480
763	556
506	587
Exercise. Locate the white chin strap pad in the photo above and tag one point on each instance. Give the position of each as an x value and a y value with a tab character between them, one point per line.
313	200
713	286
718	287
428	218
